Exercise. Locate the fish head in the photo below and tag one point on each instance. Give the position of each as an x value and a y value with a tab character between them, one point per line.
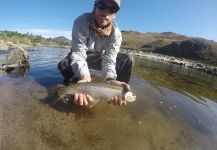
65	98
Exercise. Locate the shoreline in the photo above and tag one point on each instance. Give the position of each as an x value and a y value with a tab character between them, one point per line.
148	55
6	45
175	60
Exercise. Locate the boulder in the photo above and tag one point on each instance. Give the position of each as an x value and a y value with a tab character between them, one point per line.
11	45
17	62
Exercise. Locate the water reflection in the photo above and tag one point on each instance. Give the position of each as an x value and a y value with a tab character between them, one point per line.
177	78
43	62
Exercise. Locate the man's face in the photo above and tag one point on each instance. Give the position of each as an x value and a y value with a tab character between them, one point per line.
104	17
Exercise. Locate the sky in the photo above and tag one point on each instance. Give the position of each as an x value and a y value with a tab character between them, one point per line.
52	18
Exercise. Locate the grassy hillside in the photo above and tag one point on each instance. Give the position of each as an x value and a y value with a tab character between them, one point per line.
172	44
30	39
61	40
167	43
148	41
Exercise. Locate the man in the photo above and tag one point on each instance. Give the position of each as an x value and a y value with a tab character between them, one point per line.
96	41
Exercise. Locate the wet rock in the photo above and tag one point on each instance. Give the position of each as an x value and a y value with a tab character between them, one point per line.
11	45
8	45
17	62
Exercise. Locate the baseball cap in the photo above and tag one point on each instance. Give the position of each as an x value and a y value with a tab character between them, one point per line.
118	2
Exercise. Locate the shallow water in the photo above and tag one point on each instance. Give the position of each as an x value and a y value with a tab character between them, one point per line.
175	109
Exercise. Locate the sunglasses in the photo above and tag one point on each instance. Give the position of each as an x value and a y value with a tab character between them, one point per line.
104	7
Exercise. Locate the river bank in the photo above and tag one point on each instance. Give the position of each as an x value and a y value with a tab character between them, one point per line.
5	45
175	60
211	69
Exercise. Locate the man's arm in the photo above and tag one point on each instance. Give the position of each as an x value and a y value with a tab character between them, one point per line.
109	60
79	48
79	64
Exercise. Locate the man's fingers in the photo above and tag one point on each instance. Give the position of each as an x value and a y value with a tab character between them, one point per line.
76	98
124	103
85	100
115	100
80	99
126	86
120	102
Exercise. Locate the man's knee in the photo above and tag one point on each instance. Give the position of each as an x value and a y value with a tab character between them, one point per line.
127	57
130	58
65	67
124	67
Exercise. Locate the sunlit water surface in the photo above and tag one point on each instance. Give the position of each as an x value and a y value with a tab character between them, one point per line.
175	109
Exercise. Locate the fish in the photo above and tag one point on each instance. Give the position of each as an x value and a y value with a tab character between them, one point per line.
99	92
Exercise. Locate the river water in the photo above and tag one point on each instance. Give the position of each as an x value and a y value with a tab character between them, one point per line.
176	108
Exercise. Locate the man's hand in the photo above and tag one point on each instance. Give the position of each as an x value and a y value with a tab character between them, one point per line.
82	99
84	78
117	100
85	99
126	86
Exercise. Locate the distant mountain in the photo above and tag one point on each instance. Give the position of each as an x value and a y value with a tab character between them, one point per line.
172	44
61	40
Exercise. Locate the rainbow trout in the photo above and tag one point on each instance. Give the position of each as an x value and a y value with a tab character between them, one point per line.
99	92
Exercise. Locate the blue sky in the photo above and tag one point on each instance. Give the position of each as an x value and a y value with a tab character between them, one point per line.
52	18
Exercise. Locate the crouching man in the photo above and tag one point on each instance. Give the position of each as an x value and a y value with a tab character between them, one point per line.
96	41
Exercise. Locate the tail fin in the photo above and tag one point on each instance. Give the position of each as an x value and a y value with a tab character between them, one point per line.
129	96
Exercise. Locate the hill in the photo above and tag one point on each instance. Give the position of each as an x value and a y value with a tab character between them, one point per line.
172	44
32	40
61	40
167	43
